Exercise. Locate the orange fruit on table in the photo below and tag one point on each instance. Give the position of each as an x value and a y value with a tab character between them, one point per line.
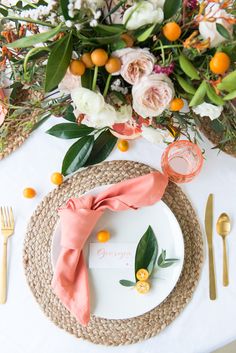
142	287
99	57
57	178
29	193
142	274
103	236
220	63
123	145
113	65
77	67
86	58
129	41
172	31
176	104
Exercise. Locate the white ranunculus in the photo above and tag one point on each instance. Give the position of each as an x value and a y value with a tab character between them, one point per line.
210	110
154	135
87	101
208	29
69	83
152	95
142	13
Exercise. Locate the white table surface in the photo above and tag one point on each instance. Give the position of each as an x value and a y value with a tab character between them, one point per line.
203	326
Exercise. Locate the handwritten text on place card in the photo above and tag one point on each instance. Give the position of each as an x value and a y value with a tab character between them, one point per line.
111	255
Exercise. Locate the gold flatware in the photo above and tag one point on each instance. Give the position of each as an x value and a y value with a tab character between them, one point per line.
7	227
223	227
209	234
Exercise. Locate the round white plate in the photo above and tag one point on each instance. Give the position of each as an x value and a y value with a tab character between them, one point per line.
109	299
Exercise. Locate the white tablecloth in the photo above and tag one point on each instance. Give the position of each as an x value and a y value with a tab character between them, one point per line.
204	325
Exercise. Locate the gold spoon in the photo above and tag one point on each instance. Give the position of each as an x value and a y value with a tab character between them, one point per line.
223	227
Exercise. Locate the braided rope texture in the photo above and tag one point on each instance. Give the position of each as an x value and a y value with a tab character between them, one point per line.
38	267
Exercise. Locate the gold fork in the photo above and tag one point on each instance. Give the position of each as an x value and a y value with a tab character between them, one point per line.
7	226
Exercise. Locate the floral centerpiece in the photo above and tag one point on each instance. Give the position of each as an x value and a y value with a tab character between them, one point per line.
121	69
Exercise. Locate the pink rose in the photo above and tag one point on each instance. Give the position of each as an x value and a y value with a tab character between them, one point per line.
136	63
3	110
152	95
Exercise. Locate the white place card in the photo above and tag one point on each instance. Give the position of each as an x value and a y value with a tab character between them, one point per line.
112	255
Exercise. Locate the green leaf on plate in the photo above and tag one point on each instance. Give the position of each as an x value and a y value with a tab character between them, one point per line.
146	252
69	114
127	283
163	262
69	130
223	31
102	147
171	7
146	34
58	62
35	39
77	155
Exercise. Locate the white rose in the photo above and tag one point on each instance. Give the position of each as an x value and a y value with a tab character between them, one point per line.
69	83
135	63
152	95
208	28
142	13
154	135
210	110
87	101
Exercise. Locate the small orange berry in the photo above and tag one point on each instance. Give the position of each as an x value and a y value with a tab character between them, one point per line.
99	57
86	58
142	274
77	67
142	287
123	145
113	65
103	236
220	63
57	178
176	104
29	193
172	31
129	41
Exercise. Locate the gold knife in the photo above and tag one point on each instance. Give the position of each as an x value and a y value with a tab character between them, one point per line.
209	234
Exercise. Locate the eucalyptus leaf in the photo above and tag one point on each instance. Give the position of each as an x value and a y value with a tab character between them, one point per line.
127	283
69	130
58	62
146	252
102	147
223	31
171	7
77	155
35	39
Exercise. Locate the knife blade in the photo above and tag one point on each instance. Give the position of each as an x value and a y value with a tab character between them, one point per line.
209	234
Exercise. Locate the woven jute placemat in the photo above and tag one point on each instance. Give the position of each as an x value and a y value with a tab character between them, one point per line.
38	267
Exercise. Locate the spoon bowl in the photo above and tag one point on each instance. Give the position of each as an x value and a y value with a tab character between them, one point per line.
223	227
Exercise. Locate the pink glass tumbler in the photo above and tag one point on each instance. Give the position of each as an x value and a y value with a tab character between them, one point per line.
182	161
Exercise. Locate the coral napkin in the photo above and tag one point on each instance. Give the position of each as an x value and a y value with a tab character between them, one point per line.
78	218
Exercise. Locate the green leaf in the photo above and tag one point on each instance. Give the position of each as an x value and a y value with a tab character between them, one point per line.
127	283
4	12
69	114
146	252
223	31
118	29
115	8
167	264
171	7
188	67
199	95
228	83
217	125
146	34
187	87
64	8
41	121
87	79
214	98
58	62
77	155
230	96
119	44
35	39
102	147
69	130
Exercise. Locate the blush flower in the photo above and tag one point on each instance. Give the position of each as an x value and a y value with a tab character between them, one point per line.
136	63
152	95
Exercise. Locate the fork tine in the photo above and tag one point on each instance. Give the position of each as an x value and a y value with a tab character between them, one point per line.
2	218
5	217
12	218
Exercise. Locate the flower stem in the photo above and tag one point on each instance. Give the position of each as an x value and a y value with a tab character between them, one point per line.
169	46
107	85
95	75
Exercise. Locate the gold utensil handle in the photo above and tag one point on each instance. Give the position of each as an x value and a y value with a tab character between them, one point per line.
3	275
212	279
225	265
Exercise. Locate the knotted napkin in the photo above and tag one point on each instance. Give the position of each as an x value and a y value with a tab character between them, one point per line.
78	218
